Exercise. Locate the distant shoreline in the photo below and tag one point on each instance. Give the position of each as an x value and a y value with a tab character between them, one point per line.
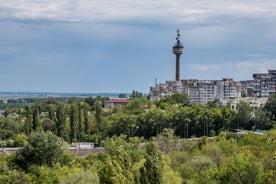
16	95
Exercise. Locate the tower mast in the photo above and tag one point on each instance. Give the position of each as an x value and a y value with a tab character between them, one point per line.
177	50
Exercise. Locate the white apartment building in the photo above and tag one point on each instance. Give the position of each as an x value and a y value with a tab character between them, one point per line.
163	90
225	90
264	84
198	91
228	88
247	88
201	91
255	103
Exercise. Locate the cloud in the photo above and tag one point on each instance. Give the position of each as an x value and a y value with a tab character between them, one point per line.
255	66
239	70
221	38
206	67
178	11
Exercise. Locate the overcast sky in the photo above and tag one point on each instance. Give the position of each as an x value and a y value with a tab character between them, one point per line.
124	45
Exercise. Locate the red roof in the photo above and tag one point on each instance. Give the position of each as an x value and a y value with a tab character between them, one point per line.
117	101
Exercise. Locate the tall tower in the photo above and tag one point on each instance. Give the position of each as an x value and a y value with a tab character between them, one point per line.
178	50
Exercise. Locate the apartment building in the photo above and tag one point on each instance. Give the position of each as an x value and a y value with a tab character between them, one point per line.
264	83
225	90
247	88
163	90
201	91
255	103
198	91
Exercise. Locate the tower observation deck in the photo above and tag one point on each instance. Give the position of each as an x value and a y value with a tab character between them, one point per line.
178	50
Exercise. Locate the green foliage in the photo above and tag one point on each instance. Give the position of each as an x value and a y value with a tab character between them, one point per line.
152	122
165	140
270	106
262	120
74	118
130	146
214	103
227	158
242	168
176	98
117	169
9	175
60	120
243	117
28	121
20	140
9	128
152	171
43	148
122	95
83	177
136	94
137	106
169	175
36	118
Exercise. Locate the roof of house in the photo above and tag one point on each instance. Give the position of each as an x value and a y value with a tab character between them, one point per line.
117	101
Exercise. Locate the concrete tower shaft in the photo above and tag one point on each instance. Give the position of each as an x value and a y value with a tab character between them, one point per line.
178	50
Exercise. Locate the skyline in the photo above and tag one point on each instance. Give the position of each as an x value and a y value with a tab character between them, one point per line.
119	46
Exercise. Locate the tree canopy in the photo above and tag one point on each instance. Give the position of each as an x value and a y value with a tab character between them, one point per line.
43	148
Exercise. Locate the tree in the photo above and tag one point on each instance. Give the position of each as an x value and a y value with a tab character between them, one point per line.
227	115
47	124
122	95
243	168
91	101
117	169
28	121
98	118
73	122
86	117
80	121
243	117
136	106
262	120
43	148
152	123
61	120
176	98
136	94
270	106
152	171
214	103
123	124
51	111
36	118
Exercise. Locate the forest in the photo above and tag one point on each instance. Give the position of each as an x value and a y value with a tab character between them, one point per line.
168	141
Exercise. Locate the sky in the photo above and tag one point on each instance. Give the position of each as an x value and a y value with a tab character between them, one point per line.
92	46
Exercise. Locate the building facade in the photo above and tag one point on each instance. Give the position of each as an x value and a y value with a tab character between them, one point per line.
264	83
255	103
198	91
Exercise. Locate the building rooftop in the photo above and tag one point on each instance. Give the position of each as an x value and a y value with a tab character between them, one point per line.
117	101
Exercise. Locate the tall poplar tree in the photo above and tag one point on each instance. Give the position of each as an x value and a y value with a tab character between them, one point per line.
85	114
152	171
35	118
98	118
60	120
28	121
80	121
117	169
73	122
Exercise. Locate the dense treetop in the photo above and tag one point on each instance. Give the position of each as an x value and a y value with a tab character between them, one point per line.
147	142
